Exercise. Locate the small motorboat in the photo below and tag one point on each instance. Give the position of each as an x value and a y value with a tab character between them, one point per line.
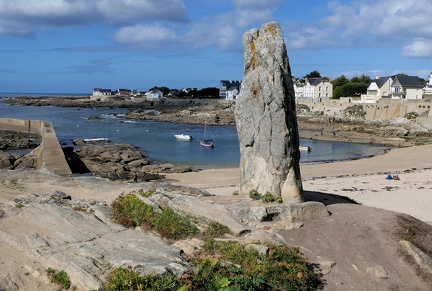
183	137
305	149
96	139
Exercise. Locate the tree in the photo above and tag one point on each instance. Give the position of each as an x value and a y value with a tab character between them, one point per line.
164	90
350	90
361	79
211	92
340	81
313	74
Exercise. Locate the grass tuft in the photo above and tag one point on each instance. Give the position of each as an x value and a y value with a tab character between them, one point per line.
59	277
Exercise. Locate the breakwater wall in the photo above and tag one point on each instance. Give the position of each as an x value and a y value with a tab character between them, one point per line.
383	110
49	152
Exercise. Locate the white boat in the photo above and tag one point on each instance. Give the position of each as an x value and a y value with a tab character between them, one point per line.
96	139
183	136
305	149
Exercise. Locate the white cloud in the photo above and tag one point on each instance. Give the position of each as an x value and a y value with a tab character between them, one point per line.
369	23
148	37
419	48
23	16
127	10
225	30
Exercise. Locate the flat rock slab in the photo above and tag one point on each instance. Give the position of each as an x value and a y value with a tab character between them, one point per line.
81	244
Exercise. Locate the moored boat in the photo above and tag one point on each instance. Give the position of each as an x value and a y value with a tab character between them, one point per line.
183	136
207	143
305	148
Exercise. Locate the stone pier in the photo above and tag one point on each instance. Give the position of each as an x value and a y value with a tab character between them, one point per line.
49	152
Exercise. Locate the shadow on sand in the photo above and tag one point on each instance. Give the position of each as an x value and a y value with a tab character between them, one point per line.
327	199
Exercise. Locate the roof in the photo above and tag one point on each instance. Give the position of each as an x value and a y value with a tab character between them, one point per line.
232	88
381	81
316	81
229	83
102	90
410	81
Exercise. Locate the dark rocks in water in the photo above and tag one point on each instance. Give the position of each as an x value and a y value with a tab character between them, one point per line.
17	140
117	161
266	118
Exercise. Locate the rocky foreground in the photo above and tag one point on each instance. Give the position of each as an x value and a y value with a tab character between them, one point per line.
47	221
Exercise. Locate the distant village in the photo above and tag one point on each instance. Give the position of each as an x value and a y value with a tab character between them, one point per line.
314	89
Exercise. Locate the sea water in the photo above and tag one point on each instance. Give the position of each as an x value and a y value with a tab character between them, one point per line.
157	140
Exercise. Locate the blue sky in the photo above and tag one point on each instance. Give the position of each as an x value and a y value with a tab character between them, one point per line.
76	45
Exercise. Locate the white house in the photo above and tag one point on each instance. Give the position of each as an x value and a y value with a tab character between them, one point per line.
428	87
229	90
155	94
101	92
313	88
378	88
406	87
298	88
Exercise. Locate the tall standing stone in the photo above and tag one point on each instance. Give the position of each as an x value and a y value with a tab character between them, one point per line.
266	118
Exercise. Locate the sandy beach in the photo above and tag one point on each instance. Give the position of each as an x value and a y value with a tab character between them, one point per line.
362	180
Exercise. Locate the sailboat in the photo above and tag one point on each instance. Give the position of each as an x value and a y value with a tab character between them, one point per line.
207	143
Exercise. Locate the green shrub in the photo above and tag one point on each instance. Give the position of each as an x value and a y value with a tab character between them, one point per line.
148	193
59	277
283	268
411	115
254	195
172	225
128	280
129	211
268	197
215	229
235	268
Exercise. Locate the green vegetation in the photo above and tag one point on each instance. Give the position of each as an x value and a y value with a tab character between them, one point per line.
411	115
313	74
235	268
215	229
255	195
266	198
222	265
269	198
59	277
343	87
130	211
355	111
172	225
128	280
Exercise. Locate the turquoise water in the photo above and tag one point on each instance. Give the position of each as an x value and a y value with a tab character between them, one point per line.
157	138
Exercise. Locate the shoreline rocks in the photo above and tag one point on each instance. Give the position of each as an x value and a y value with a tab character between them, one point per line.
348	126
114	161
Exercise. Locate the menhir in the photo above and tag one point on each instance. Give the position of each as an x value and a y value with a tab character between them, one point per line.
266	118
